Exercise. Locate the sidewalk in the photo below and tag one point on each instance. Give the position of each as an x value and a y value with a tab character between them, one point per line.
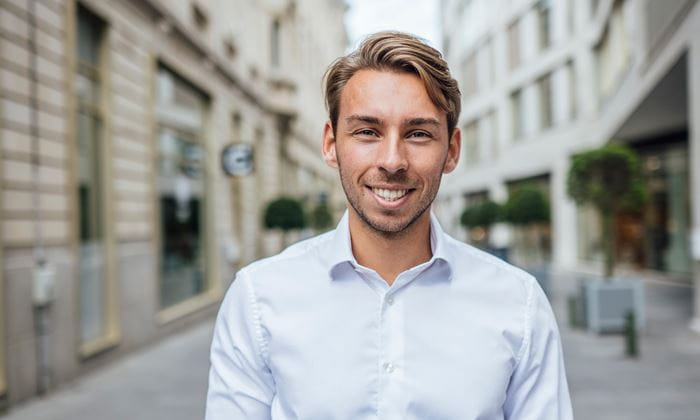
662	384
168	381
165	382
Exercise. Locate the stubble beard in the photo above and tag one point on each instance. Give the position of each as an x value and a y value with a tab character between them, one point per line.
387	230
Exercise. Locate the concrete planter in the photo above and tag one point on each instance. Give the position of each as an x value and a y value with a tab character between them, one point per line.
605	304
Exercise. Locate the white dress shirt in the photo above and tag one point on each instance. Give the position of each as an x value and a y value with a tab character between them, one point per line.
311	334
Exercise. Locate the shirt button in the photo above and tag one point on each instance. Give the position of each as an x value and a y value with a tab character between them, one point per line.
388	367
390	300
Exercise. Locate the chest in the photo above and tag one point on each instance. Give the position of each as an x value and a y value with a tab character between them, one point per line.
392	356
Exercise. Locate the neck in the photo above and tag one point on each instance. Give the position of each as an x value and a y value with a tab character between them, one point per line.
390	255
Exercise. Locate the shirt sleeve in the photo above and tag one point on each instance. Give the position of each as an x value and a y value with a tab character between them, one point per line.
538	389
241	385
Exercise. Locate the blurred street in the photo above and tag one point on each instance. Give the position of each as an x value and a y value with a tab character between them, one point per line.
168	380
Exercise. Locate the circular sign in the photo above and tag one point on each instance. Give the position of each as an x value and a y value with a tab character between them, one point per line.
237	159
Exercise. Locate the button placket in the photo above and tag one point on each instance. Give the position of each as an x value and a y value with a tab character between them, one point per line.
392	355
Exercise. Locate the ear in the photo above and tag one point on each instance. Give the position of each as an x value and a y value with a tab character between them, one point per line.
328	146
453	151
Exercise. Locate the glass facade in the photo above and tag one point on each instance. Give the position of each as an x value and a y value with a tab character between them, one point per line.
89	148
654	237
666	223
181	111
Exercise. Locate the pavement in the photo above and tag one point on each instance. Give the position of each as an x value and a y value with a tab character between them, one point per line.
169	379
663	383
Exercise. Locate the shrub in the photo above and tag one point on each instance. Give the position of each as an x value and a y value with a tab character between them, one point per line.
284	213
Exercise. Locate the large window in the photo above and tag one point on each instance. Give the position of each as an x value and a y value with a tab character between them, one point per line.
89	123
514	45
544	86
544	24
471	144
613	53
181	187
469	75
275	43
517	113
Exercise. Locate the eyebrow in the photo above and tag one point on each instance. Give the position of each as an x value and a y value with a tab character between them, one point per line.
363	118
411	122
421	121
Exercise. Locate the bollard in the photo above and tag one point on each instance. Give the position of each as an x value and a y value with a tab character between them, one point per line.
631	337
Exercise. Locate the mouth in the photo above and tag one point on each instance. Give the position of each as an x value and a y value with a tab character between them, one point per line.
391	197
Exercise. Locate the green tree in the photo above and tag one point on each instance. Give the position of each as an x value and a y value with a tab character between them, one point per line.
480	217
527	209
286	214
610	179
483	214
526	206
321	217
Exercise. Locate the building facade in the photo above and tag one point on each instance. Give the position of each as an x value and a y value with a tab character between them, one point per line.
119	224
543	80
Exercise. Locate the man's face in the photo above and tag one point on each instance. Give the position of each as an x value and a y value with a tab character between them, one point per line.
391	147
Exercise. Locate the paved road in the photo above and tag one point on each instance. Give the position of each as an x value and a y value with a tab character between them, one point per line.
168	381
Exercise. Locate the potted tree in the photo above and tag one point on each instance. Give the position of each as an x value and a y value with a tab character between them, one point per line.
610	179
478	219
321	218
527	209
286	214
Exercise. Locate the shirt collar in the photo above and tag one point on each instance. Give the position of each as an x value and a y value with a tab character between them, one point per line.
339	251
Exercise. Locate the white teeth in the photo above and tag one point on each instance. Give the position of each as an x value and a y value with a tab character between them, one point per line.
389	195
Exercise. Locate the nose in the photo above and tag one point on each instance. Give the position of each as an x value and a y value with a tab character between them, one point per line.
392	154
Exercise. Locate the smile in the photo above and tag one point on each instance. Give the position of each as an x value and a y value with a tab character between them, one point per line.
389	195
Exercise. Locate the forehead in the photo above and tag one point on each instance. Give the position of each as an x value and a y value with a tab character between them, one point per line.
388	95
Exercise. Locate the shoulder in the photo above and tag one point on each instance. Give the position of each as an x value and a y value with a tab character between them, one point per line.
304	254
488	271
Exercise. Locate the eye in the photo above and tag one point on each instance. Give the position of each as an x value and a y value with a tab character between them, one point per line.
420	135
366	132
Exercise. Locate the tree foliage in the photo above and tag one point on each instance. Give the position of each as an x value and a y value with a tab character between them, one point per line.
527	205
609	178
483	214
284	213
321	217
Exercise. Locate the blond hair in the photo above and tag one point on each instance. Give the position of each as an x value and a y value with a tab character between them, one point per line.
400	52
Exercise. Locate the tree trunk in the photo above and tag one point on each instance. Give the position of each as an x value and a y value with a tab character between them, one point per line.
608	238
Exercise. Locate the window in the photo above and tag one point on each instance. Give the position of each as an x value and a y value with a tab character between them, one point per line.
493	134
571	72
485	66
89	138
200	17
471	144
181	111
275	43
514	45
613	53
544	86
517	115
544	24
469	71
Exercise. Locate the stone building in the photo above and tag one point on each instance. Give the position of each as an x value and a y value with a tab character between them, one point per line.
542	80
119	225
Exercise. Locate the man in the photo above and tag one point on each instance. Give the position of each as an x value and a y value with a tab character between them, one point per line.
387	317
